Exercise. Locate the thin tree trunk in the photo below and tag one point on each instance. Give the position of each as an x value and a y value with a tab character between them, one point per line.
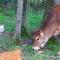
24	12
57	2
18	19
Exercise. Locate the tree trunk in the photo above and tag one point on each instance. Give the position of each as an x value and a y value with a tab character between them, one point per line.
57	2
24	12
18	19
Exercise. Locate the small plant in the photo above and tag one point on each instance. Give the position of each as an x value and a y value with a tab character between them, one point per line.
1	29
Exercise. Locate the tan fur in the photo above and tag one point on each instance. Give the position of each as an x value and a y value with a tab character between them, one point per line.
50	28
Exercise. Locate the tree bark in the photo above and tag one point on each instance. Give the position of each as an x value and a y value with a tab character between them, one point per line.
57	2
24	12
18	19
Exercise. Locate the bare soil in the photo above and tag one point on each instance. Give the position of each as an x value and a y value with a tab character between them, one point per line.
11	55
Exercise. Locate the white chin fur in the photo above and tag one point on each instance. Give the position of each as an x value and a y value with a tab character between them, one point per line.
42	45
36	48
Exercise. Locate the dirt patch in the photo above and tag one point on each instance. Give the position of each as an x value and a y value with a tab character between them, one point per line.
11	55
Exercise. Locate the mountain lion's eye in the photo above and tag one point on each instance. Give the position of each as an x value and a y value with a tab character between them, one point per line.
37	39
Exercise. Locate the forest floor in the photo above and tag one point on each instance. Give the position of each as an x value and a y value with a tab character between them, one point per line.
6	43
50	52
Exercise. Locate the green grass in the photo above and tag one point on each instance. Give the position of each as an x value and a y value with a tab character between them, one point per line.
9	23
7	43
7	17
50	51
34	20
53	45
33	23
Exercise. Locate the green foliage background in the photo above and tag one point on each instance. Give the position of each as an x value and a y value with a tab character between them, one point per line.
34	15
34	19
